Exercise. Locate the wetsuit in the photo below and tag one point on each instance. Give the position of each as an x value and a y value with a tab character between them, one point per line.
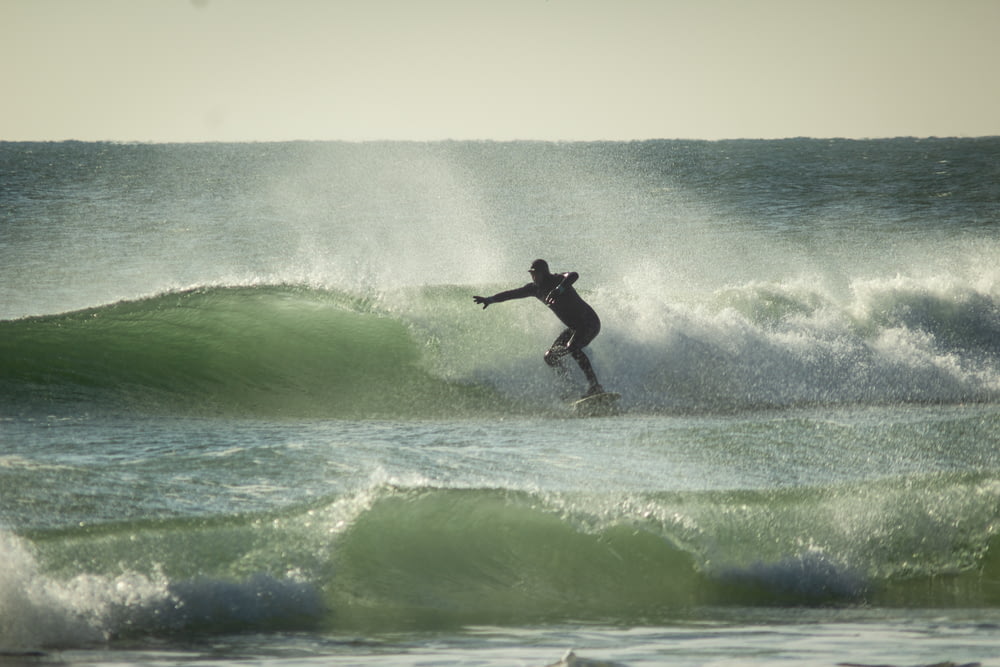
556	291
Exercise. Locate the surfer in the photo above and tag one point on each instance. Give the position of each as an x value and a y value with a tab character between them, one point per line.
556	291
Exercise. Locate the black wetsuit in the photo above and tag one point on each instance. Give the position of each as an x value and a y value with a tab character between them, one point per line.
581	321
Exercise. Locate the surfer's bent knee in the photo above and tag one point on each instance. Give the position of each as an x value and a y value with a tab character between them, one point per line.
554	354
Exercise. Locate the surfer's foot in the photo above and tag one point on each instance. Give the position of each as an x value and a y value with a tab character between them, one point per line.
594	389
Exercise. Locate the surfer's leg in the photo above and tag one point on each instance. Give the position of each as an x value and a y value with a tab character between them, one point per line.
558	350
588	370
575	346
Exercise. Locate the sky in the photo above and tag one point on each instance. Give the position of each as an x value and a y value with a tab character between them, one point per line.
355	70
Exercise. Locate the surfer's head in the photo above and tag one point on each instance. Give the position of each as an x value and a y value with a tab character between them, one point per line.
539	269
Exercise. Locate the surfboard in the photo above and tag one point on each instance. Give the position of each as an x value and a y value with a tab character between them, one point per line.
598	405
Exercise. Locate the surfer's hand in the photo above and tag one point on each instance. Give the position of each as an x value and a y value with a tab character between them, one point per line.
485	300
554	294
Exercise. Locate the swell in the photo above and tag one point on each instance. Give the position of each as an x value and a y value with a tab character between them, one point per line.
387	558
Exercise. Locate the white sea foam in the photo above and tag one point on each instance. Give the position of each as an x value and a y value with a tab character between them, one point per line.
41	610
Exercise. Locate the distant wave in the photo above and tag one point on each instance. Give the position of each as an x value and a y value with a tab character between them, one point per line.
391	558
286	349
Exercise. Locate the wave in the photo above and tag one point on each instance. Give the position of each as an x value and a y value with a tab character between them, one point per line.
388	558
257	349
427	352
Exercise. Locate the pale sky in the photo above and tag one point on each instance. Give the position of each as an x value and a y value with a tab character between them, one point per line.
263	70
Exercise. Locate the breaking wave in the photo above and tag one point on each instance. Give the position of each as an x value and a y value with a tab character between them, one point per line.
285	349
386	558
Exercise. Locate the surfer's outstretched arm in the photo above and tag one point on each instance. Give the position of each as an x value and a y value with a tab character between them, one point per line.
519	293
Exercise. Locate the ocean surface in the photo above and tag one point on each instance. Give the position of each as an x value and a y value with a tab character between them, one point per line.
250	414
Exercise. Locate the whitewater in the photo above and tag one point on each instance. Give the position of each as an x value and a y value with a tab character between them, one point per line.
249	410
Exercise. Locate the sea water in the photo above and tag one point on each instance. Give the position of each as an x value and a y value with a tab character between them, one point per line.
249	412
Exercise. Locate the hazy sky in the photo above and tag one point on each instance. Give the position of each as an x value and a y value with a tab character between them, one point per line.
221	70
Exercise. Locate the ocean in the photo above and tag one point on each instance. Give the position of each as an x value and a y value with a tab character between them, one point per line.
250	414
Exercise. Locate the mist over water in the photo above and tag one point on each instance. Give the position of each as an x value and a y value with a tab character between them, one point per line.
667	218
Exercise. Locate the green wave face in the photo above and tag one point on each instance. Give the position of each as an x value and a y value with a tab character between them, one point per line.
439	557
261	350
